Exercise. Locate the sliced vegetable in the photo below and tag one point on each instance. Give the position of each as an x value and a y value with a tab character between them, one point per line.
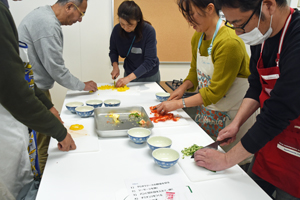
162	117
134	115
142	122
190	150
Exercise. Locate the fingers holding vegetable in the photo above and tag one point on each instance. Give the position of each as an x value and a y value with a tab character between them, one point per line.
211	159
168	106
122	82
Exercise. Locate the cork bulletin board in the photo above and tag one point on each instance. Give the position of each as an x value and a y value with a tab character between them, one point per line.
173	33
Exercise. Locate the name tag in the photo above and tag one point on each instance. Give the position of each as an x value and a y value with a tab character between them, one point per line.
136	50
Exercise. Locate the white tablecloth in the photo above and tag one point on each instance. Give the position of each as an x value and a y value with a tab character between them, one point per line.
101	174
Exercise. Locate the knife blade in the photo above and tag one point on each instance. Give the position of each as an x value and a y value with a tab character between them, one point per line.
213	145
114	81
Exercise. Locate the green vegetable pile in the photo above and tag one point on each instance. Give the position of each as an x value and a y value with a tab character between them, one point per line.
190	150
134	115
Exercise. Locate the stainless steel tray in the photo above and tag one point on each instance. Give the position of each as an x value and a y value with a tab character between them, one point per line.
105	126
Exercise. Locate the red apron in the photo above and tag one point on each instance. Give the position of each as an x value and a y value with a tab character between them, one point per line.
278	162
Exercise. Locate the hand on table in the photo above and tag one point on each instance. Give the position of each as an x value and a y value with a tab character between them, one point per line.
211	159
229	131
55	113
67	144
90	86
168	106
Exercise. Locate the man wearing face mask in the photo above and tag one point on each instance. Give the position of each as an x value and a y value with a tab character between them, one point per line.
272	29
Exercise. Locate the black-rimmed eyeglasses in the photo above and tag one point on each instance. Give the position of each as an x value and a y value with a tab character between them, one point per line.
241	28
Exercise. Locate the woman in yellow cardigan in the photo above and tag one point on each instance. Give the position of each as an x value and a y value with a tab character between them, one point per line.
219	68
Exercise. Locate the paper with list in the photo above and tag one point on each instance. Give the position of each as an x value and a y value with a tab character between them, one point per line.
156	188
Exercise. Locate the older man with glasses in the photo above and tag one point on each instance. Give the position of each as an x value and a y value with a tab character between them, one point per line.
41	30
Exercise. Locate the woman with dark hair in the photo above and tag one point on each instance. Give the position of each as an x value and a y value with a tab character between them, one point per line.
272	29
219	68
135	40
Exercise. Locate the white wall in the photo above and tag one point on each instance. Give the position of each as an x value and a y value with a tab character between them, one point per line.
86	45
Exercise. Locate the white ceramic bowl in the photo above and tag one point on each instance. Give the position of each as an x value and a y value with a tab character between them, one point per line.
84	111
139	135
72	105
95	103
112	102
165	157
162	96
159	142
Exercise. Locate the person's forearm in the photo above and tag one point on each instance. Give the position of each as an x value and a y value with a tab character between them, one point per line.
187	85
42	97
247	108
131	76
115	65
237	154
195	100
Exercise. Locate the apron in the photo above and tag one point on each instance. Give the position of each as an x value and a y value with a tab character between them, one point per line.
23	47
279	160
15	165
215	117
14	161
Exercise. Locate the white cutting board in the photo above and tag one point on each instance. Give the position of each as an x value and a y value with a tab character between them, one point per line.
169	123
85	139
188	165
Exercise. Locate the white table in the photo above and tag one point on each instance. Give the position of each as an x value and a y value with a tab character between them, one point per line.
102	174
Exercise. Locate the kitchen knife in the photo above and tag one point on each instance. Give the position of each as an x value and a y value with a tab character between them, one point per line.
214	145
114	81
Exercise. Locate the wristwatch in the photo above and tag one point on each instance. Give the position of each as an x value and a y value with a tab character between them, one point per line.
183	102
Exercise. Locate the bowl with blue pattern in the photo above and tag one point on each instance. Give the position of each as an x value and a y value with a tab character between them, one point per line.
72	105
139	135
84	111
95	103
162	96
112	102
159	142
165	157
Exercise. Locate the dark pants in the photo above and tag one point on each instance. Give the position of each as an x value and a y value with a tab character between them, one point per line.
42	141
268	187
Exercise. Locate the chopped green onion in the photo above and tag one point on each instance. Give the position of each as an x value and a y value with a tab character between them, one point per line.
190	150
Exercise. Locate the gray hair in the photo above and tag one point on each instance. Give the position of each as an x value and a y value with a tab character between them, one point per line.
64	2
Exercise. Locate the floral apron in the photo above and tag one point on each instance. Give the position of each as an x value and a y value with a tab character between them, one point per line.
279	160
214	117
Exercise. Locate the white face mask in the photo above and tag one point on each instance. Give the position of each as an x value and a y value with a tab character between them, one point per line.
255	37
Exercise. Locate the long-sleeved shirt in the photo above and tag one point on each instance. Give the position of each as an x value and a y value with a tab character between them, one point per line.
284	103
142	59
42	31
5	3
230	60
28	106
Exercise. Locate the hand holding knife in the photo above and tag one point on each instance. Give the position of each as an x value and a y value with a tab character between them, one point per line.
213	145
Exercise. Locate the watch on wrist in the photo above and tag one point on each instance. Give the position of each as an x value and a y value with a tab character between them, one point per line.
183	103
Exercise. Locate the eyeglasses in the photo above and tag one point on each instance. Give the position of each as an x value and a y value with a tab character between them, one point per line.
82	14
241	28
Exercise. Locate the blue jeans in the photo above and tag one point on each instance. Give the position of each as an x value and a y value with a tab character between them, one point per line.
154	78
268	187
